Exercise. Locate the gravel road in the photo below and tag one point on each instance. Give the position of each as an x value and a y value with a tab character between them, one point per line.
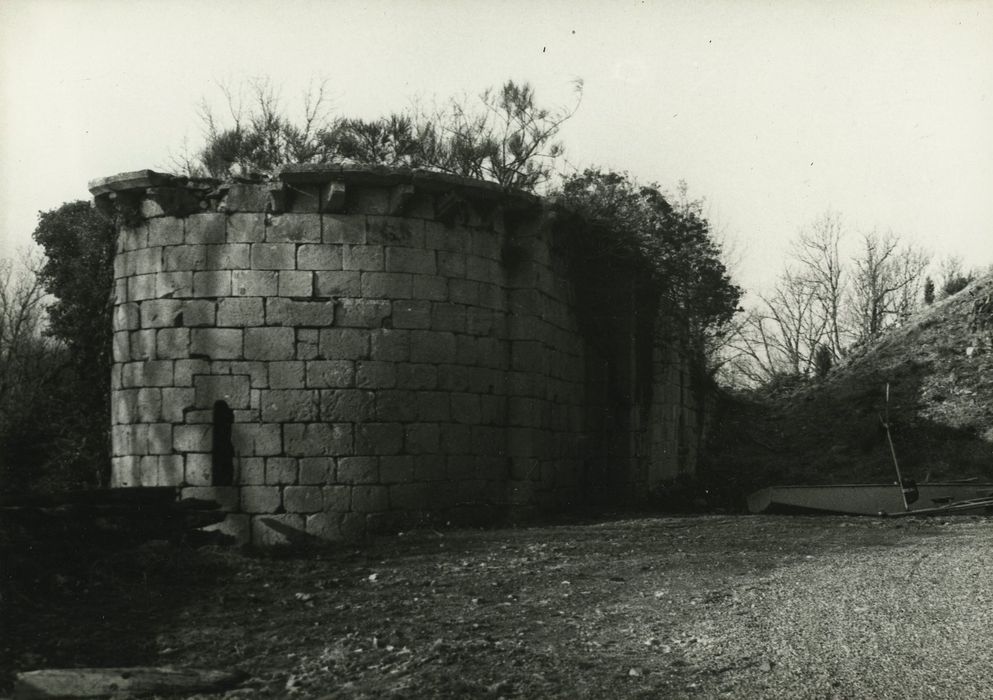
911	619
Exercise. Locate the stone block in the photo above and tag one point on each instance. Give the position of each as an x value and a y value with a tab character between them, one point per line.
232	389
199	470
254	283
432	347
143	344
414	496
417	376
149	405
337	498
315	470
448	317
242	312
361	313
483	270
133	237
456	439
228	256
267	439
429	288
212	283
291	312
197	312
378	438
185	370
317	439
325	526
343	229
175	401
430	467
227	496
465	408
344	343
293	283
192	438
416	260
347	405
463	292
243	197
451	264
141	287
369	200
125	471
305	199
184	258
421	438
127	317
387	285
302	499
338	284
174	285
246	228
170	470
260	499
269	343
396	405
330	374
251	471
280	471
412	314
236	525
319	257
148	260
273	256
434	406
159	313
156	373
307	344
440	237
216	343
121	346
358	470
363	257
480	321
396	469
276	530
121	290
370	499
375	375
390	345
492	296
283	405
287	375
204	228
398	231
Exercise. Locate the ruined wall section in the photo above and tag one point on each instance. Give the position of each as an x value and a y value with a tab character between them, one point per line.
387	346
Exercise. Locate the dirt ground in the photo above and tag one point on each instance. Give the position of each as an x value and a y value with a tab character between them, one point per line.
704	606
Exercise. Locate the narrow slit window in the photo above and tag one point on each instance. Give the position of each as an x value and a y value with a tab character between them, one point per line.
222	454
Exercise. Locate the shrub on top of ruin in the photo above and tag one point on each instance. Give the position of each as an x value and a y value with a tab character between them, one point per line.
506	137
671	243
823	361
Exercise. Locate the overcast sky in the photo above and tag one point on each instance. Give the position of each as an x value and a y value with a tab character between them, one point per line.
772	111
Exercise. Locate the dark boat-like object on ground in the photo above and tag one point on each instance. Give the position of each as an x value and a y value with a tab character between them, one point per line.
876	499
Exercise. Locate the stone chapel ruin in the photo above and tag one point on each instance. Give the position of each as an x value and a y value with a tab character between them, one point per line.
343	350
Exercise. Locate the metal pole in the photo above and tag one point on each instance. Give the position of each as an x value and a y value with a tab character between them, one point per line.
889	438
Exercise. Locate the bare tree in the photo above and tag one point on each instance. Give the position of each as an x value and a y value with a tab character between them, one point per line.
886	283
819	265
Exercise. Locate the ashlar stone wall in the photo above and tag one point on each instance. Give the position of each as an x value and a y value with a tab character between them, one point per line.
342	350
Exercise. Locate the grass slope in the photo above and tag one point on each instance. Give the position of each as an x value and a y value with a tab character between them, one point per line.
939	366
